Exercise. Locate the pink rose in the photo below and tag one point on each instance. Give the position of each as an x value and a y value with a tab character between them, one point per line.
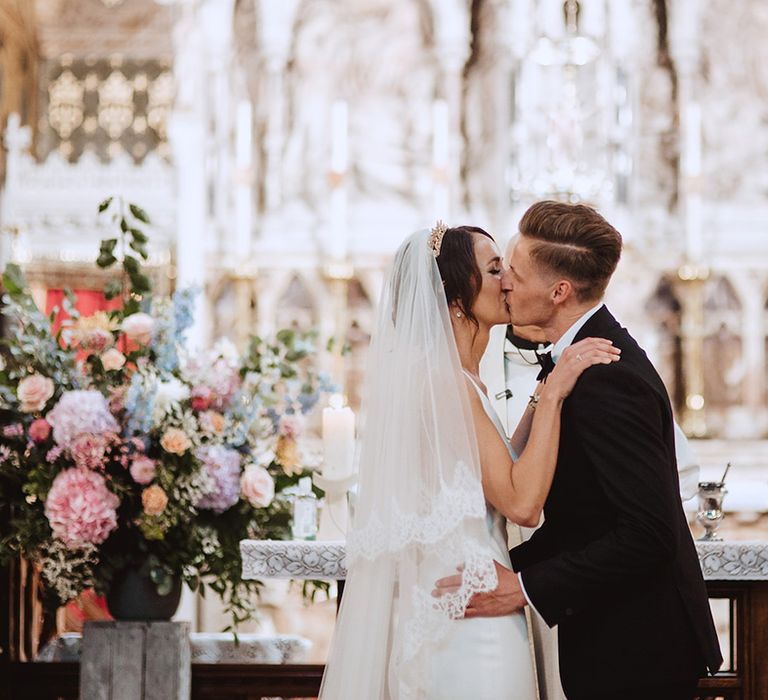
39	430
113	359
175	441
96	340
257	486
154	500
139	327
201	398
212	422
33	392
143	469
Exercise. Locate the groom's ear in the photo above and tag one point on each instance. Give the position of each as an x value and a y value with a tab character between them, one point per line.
562	291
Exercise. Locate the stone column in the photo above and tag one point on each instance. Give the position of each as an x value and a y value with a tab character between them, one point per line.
693	273
216	20
187	136
275	33
452	50
749	285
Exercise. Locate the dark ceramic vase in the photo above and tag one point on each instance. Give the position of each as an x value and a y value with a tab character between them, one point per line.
133	596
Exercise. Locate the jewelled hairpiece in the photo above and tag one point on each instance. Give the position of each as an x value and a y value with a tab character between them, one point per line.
435	240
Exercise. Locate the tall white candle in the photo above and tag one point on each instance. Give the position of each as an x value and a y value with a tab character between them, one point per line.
692	135
440	134
339	136
338	439
692	140
243	154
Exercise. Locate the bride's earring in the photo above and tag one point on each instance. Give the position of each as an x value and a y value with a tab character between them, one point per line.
459	314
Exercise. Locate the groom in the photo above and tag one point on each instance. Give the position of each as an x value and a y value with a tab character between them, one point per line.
613	565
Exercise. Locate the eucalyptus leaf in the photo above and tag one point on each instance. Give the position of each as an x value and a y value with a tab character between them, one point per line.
139	235
13	279
140	283
139	248
139	213
131	265
105	204
112	289
105	260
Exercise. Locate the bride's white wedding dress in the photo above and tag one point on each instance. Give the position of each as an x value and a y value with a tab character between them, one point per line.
487	658
419	513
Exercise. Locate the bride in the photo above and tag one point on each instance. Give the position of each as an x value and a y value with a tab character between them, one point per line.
438	481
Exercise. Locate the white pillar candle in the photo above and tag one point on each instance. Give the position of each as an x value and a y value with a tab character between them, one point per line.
243	156
338	439
694	245
339	136
440	146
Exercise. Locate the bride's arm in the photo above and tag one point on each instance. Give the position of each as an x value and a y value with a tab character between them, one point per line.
519	489
522	432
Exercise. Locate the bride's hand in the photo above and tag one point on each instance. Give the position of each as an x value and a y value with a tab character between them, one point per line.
575	359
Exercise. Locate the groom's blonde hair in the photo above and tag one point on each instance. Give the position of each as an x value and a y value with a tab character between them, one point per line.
574	241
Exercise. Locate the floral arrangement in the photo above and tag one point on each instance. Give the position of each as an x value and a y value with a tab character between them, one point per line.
119	449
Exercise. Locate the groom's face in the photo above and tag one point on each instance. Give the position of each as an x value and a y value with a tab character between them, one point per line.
529	292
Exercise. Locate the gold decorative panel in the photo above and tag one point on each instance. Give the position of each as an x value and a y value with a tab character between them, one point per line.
65	107
115	104
108	106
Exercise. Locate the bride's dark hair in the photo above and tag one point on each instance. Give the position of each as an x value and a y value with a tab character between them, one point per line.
462	278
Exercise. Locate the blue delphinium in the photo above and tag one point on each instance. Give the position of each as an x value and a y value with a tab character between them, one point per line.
139	404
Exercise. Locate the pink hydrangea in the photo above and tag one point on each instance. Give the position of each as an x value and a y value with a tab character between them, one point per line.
78	412
80	508
223	468
88	451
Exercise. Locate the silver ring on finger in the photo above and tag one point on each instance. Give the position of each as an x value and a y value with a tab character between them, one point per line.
578	357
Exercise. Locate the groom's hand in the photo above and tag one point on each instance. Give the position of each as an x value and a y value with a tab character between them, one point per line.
505	599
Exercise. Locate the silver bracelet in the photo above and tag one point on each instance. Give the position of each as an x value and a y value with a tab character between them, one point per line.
534	401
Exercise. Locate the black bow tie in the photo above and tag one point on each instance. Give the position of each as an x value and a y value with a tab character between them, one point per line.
547	365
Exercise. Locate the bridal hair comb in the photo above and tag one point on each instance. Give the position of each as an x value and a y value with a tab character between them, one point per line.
435	240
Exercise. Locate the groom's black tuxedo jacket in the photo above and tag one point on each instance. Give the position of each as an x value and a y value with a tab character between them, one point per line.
614	564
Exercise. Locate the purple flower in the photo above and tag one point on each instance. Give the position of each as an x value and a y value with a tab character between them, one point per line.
223	468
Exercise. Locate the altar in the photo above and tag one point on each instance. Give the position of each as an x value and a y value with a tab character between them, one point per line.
736	573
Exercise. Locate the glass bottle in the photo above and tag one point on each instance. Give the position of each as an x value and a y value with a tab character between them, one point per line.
304	523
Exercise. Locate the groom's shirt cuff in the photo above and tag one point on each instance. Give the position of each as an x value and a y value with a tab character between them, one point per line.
525	593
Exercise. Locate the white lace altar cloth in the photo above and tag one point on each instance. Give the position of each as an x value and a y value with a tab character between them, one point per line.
720	561
300	559
734	561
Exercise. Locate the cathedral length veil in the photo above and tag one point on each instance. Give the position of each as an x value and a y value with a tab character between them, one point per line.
420	511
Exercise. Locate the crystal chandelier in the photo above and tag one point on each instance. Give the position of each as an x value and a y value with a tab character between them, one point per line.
559	143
